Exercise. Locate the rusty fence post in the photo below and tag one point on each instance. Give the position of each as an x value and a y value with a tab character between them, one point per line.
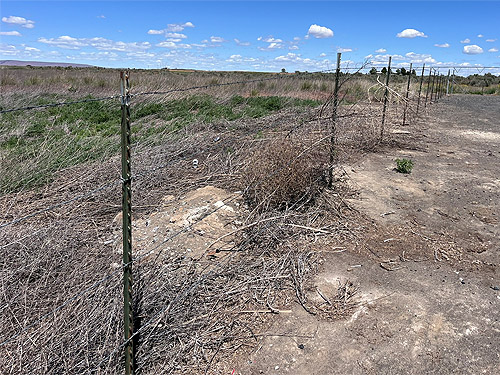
127	224
386	98
420	87
407	96
333	138
452	81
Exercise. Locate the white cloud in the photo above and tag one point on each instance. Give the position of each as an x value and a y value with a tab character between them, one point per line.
491	40
31	49
411	33
472	49
320	31
493	49
269	39
272	46
216	39
171	28
173	45
293	47
381	50
10	33
6	49
322	54
156	32
19	21
419	58
465	41
342	50
175	35
99	43
101	16
444	45
480	35
175	27
240	43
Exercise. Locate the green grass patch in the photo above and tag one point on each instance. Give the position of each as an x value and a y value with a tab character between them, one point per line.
36	144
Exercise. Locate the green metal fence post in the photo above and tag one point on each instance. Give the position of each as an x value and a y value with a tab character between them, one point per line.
127	224
333	139
386	98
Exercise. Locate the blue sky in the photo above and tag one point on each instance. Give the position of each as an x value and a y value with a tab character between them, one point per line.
258	35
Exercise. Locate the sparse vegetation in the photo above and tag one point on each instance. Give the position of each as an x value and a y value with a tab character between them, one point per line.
404	165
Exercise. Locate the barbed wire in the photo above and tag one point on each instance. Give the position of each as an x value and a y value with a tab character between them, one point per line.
60	204
58	104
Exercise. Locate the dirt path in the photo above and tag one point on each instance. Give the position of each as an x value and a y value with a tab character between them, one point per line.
435	307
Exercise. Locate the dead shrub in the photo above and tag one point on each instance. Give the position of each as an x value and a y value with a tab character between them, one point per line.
285	173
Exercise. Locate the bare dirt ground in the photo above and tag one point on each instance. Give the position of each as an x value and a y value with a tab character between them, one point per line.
427	271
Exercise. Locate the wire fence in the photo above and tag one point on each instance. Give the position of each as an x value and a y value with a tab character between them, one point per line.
62	239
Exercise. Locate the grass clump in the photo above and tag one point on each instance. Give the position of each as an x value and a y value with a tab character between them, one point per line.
404	165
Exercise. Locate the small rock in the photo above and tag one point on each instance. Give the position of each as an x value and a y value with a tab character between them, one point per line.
301	346
462	280
276	367
494	287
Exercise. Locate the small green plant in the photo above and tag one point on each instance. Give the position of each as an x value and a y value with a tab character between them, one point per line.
404	165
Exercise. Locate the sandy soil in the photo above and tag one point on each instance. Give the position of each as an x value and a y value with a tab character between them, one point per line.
427	272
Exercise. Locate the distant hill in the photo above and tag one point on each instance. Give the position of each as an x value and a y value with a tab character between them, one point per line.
41	63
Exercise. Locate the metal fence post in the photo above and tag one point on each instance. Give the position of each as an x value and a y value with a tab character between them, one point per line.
127	224
407	95
448	83
420	87
386	97
333	139
452	80
432	85
428	86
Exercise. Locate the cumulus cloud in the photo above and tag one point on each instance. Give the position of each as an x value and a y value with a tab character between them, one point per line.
465	41
444	45
31	49
216	39
381	50
169	44
68	42
420	58
322	54
171	28
10	33
6	49
342	50
14	20
411	33
175	27
491	40
493	49
156	32
294	47
472	49
240	43
320	31
175	35
480	35
101	16
272	46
